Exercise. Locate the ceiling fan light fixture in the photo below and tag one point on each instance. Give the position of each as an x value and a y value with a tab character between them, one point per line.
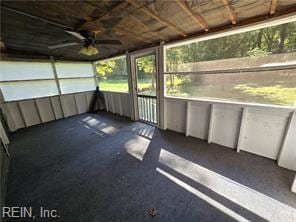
89	50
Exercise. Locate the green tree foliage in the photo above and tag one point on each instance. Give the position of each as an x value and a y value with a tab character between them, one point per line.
114	68
146	69
105	68
271	40
146	64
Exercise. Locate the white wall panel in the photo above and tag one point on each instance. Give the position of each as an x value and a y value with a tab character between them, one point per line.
125	105
263	134
109	102
287	157
69	105
89	97
3	135
45	109
77	85
176	118
226	126
199	120
12	70
8	116
69	70
30	112
81	103
117	103
14	91
57	108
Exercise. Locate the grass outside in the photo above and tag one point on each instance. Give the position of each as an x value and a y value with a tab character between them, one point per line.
278	94
122	85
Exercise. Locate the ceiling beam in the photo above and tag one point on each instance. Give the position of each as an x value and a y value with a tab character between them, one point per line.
141	24
273	7
231	12
196	17
130	35
117	9
151	13
36	17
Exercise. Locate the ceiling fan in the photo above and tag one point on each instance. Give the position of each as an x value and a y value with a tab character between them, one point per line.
88	41
86	38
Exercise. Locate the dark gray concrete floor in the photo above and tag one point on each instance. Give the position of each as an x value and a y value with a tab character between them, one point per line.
102	167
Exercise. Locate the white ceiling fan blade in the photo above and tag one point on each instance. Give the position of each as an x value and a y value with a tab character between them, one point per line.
63	45
76	34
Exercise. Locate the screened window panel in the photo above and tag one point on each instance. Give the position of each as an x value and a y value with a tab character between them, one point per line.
269	61
10	71
72	70
112	74
77	85
267	47
28	89
265	87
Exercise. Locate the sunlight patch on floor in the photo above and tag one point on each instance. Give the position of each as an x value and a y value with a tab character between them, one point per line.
252	200
137	147
202	196
93	123
144	130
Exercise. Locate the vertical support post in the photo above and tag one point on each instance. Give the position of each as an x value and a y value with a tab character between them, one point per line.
85	97
51	105
211	123
131	85
38	111
188	120
22	114
3	134
57	82
106	101
293	187
113	104
287	154
144	106
55	74
95	74
76	105
241	130
161	87
120	106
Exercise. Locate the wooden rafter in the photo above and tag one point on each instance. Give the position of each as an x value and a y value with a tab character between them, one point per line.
150	12
118	8
142	25
196	17
231	12
273	6
130	35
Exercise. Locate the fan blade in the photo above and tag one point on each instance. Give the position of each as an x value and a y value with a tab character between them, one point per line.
63	45
76	34
108	41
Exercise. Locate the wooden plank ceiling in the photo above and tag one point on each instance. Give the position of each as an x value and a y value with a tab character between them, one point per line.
29	27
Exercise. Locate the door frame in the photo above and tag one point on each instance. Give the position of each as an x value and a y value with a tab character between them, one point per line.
133	80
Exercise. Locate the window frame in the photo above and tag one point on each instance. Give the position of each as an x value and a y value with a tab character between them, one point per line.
221	34
123	56
55	78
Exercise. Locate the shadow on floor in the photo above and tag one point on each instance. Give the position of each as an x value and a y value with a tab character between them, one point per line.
102	167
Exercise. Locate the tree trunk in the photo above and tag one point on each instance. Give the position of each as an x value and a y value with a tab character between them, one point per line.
283	36
259	39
